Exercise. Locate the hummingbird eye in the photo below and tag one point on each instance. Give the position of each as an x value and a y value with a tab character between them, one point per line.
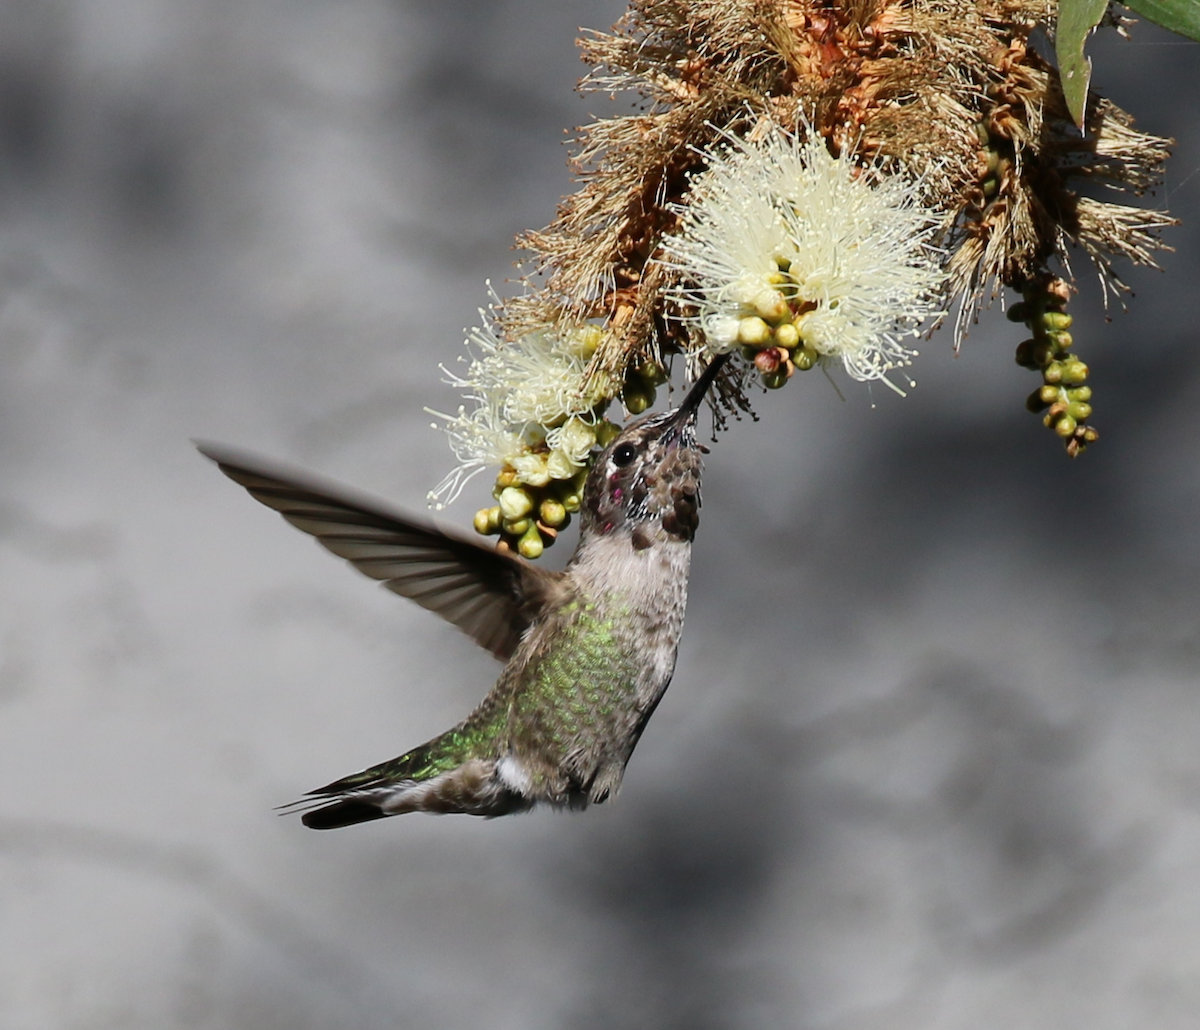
624	454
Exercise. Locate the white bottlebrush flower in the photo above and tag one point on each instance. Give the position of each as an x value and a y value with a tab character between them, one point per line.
479	439
531	400
539	377
847	248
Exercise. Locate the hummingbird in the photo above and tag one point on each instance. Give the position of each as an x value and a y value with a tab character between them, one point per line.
588	651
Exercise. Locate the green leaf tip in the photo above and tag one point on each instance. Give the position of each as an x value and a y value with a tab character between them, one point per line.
1076	19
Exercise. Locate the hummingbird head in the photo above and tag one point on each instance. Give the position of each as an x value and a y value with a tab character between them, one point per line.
647	481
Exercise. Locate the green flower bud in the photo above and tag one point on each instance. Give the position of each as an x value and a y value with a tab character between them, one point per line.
805	358
1049	394
1060	339
1080	393
515	503
652	373
1053	372
571	502
787	335
553	513
1079	411
515	527
1042	354
1036	402
774	380
1090	435
482	522
753	331
637	399
1056	321
1065	426
494	519
531	545
1074	373
1019	312
588	339
606	432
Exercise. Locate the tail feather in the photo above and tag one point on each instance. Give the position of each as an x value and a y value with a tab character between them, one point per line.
341	813
472	788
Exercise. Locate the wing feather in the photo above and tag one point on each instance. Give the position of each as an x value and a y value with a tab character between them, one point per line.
488	595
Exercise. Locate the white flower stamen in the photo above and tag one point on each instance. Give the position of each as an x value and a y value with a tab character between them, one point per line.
534	410
778	231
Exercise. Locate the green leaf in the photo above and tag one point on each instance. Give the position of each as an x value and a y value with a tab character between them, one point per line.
1182	16
1077	18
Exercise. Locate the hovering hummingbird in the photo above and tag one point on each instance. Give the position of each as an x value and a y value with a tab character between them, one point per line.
589	651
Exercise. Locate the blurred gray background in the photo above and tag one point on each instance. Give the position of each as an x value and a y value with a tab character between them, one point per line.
930	758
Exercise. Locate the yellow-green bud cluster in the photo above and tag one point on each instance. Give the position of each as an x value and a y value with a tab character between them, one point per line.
640	386
528	517
770	332
1064	395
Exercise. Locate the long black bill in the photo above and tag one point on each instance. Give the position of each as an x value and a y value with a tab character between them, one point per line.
691	403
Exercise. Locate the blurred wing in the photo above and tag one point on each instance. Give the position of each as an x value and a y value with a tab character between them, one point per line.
489	595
